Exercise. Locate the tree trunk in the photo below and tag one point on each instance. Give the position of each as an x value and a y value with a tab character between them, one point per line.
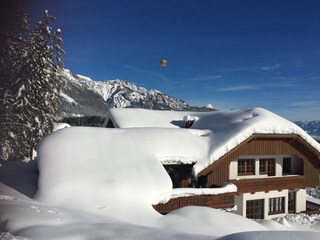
31	152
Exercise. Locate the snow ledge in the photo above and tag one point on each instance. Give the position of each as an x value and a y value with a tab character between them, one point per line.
187	192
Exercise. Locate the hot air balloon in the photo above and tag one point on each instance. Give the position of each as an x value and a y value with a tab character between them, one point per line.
163	63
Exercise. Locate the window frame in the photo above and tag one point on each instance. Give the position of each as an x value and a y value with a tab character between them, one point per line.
267	166
246	167
292	198
276	205
255	209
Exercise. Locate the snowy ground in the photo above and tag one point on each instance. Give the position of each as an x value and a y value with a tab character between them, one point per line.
22	216
88	190
25	218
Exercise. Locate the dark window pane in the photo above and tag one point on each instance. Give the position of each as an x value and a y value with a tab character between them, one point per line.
267	166
255	209
246	167
276	205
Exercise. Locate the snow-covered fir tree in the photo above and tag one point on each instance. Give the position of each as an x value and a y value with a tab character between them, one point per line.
12	55
32	84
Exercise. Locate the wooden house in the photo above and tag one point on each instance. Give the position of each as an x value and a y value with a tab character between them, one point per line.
270	160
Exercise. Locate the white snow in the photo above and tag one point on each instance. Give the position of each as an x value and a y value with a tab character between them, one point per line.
136	117
209	106
97	183
69	99
301	221
313	195
84	77
187	192
124	161
228	128
58	126
313	199
9	236
190	118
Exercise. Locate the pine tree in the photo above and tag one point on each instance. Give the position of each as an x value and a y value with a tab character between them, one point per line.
12	55
41	86
5	111
30	65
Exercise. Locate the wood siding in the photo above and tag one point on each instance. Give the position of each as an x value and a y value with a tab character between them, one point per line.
213	201
269	184
267	144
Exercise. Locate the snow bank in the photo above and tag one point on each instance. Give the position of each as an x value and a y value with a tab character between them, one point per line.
35	220
21	216
302	221
100	183
272	235
8	236
313	199
198	219
111	171
314	192
47	222
187	192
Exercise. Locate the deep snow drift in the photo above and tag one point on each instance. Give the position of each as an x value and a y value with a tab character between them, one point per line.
99	183
22	216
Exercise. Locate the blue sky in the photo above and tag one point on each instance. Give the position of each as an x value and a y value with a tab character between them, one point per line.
232	54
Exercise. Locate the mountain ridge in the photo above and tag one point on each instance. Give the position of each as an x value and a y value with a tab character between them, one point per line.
311	127
85	97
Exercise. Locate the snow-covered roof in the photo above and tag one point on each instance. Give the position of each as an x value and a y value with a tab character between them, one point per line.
141	118
104	167
224	129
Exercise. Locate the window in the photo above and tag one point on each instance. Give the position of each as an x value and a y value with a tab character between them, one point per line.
276	205
267	166
246	167
286	165
254	209
292	202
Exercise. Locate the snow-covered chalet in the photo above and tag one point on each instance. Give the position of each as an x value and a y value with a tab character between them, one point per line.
270	160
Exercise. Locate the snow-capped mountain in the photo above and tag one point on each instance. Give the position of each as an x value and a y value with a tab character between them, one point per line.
311	127
84	97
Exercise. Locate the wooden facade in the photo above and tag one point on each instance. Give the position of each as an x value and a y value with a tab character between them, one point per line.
269	184
218	174
286	146
267	144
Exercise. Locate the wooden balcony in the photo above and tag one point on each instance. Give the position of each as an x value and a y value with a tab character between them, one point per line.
269	184
227	200
214	201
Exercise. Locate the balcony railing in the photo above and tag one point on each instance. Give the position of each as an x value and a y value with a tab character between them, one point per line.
269	184
214	201
227	200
